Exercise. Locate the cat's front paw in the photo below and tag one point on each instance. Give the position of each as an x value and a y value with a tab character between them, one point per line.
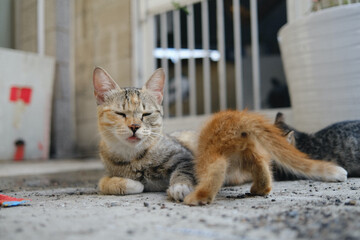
119	186
197	198
133	187
179	191
339	175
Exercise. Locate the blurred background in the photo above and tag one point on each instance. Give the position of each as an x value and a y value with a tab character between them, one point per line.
217	54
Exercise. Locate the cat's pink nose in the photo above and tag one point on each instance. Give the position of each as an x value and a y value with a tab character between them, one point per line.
134	127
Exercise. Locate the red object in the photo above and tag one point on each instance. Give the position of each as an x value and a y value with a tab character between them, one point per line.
19	151
17	93
5	198
25	95
14	94
8	201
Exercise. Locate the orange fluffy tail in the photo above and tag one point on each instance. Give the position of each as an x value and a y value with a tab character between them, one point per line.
297	162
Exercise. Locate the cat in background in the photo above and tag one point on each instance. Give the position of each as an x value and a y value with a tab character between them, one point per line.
233	142
136	154
338	143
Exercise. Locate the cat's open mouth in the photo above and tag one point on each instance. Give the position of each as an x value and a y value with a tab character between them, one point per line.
133	139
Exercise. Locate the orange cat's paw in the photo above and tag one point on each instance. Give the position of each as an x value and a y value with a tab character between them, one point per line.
196	198
260	191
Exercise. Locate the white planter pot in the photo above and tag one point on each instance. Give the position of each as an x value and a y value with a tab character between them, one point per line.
321	57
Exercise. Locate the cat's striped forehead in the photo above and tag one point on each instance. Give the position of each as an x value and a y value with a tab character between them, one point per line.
133	99
132	95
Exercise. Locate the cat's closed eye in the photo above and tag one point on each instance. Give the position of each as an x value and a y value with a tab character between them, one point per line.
146	114
120	113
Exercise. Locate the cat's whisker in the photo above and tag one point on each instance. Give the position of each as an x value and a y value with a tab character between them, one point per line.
156	134
106	132
122	132
153	137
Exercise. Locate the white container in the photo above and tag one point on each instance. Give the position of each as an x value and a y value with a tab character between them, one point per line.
321	57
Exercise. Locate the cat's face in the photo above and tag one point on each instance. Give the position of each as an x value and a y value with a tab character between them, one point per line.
130	116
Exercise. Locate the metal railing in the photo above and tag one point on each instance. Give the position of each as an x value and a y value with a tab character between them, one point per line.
153	14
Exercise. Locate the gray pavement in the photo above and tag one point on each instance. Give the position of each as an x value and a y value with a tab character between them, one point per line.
66	205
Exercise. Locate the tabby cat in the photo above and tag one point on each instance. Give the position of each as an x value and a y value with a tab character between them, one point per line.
244	142
338	143
137	155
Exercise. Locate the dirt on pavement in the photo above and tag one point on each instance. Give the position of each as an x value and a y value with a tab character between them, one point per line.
68	206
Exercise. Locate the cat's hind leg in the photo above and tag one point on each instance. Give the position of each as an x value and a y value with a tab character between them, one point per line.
261	175
211	171
119	186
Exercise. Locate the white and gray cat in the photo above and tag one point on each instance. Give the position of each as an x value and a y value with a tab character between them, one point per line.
338	143
136	154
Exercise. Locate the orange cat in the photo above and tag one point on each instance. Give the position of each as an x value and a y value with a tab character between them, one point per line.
233	142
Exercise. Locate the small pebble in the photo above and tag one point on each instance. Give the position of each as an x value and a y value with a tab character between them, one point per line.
293	214
113	204
351	203
146	204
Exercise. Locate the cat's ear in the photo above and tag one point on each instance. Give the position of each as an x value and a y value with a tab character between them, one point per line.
103	83
279	118
290	137
155	84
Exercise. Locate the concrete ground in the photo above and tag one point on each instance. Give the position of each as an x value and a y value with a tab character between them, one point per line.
66	205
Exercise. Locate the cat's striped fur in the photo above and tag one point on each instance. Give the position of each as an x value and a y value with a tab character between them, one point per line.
136	154
338	143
